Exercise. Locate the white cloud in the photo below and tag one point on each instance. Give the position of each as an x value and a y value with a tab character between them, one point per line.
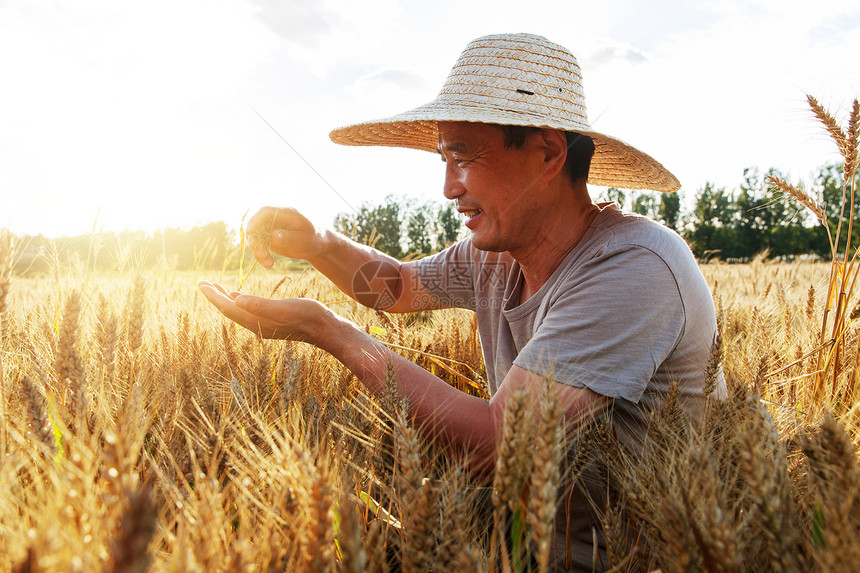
609	52
298	22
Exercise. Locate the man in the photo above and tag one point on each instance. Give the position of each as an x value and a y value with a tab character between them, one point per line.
611	306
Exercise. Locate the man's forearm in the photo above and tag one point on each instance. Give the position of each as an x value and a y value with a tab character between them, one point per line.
460	424
366	274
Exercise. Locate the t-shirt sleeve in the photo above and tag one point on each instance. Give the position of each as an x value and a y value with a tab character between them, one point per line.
609	325
447	276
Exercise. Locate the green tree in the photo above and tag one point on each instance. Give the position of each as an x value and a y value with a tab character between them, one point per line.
669	209
380	226
420	228
711	223
764	220
829	185
645	204
449	227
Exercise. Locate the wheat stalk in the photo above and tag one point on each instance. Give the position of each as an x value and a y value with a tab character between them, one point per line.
545	475
418	499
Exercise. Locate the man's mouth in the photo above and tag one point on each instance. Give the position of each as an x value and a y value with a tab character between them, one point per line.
472	216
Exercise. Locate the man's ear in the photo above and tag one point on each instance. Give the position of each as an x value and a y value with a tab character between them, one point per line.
553	143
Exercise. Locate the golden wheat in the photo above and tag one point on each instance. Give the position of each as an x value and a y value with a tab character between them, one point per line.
249	487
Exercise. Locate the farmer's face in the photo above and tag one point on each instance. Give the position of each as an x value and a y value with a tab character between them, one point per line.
497	188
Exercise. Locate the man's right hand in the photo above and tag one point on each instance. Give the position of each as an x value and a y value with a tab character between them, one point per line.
283	231
369	276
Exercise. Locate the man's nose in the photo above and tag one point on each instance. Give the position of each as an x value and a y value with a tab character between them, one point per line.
453	188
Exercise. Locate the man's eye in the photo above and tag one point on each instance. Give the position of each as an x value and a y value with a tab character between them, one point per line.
454	159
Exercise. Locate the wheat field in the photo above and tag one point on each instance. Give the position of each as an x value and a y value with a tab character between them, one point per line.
144	432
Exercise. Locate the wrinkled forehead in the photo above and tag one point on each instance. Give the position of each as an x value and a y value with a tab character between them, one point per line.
457	136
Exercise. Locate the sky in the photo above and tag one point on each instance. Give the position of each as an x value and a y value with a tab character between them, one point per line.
173	113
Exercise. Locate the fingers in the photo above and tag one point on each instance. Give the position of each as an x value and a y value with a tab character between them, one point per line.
262	254
262	220
219	288
253	304
261	228
282	231
269	219
216	294
265	307
223	301
293	318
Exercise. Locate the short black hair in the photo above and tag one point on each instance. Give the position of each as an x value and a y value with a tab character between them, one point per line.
580	149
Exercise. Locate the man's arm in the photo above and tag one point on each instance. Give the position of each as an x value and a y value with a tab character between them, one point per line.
461	425
365	274
371	277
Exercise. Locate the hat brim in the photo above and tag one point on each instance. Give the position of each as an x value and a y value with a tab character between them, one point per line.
615	163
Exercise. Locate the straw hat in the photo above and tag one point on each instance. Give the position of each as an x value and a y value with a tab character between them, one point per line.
515	79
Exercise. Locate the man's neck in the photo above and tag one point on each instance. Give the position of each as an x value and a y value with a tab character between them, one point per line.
561	234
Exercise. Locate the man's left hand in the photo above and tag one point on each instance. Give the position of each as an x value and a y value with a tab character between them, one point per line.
299	319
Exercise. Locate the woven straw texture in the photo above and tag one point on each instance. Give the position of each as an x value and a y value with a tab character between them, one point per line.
515	79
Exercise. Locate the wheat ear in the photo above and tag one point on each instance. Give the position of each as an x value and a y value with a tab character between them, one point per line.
851	146
513	465
545	476
67	361
799	195
833	477
763	463
107	337
129	552
829	122
712	371
37	411
417	499
135	312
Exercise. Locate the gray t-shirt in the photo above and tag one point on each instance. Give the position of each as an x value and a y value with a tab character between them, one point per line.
626	314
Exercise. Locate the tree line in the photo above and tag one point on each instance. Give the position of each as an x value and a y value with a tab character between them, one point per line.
729	224
399	228
736	225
